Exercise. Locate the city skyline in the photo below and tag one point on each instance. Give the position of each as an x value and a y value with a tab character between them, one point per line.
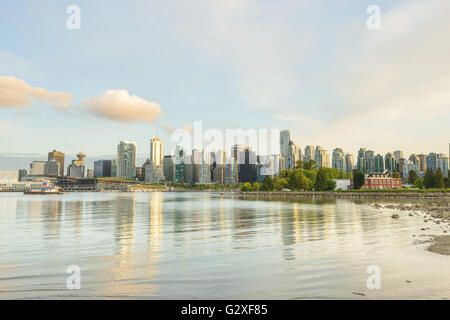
225	70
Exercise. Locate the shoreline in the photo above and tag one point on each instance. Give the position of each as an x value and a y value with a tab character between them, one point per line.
348	194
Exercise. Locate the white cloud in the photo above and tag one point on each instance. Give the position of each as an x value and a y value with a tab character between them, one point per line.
16	93
120	106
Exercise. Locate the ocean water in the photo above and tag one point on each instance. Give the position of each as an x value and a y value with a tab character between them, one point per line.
200	245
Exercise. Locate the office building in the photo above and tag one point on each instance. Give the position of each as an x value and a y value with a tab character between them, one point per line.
58	156
103	168
379	163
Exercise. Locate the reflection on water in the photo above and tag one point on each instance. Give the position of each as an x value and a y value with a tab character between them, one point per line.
204	245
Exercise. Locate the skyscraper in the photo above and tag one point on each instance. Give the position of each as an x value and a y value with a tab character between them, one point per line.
379	163
293	154
398	155
321	157
361	163
309	153
442	162
370	160
349	163
338	159
389	162
58	156
126	159
285	138
154	171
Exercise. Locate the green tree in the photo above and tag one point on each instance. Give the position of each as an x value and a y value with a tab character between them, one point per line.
310	165
293	181
267	184
428	181
280	183
331	184
418	184
299	164
246	187
396	174
311	175
256	186
304	182
358	180
321	180
439	179
412	177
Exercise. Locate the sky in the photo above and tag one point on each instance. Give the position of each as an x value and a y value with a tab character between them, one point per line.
138	69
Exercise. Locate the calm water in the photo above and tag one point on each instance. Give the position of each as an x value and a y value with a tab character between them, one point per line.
208	246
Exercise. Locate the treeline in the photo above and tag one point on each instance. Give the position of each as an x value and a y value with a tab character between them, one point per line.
431	180
305	177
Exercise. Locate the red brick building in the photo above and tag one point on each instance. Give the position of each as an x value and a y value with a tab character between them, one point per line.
381	181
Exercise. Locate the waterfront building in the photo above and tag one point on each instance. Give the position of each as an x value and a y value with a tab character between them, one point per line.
37	168
58	156
389	162
126	159
381	181
76	169
338	159
349	163
51	168
103	168
22	174
343	184
169	168
90	173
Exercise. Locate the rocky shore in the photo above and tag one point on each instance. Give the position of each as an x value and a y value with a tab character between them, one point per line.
433	212
349	194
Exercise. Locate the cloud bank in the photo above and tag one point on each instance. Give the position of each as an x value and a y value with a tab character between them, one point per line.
120	106
16	93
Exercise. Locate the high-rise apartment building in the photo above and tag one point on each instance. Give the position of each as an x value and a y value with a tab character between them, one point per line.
422	163
285	138
442	163
309	153
338	159
398	155
349	163
389	162
321	157
379	163
126	159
